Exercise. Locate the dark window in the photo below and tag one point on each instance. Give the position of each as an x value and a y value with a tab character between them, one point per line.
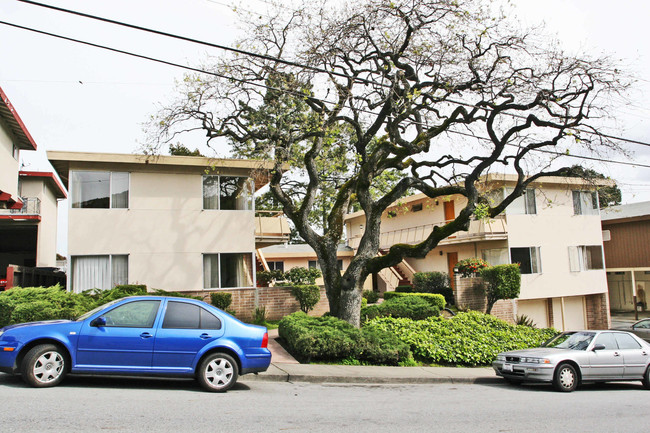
137	314
340	263
209	321
626	341
313	264
276	266
528	259
180	315
392	214
416	207
607	339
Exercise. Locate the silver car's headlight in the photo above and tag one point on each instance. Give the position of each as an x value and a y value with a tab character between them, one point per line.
501	357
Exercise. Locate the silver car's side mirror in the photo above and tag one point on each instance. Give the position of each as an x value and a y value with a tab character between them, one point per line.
598	347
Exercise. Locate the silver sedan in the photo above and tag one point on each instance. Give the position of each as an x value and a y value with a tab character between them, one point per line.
571	358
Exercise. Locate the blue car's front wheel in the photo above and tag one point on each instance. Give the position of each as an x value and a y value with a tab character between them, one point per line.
218	372
43	366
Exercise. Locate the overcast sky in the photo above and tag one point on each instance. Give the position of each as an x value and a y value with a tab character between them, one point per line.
79	98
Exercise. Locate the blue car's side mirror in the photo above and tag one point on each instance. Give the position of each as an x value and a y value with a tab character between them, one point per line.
100	321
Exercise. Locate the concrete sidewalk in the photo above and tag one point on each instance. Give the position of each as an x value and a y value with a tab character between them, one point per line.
284	368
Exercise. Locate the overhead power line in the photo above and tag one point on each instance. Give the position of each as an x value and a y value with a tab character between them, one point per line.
283	61
178	65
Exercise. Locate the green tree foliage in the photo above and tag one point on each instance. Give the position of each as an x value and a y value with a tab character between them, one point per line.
179	150
502	282
221	300
372	101
607	195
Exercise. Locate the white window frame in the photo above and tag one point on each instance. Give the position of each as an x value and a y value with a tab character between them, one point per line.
110	257
219	276
580	203
219	206
579	259
110	188
524	204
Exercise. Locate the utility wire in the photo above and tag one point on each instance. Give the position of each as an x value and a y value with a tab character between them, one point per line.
286	62
178	65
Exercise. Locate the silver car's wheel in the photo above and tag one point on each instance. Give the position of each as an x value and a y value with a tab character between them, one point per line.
43	366
646	378
566	378
218	372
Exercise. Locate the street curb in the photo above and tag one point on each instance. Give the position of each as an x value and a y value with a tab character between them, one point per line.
278	374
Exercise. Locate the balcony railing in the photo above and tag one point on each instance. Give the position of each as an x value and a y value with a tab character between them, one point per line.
31	206
271	227
495	228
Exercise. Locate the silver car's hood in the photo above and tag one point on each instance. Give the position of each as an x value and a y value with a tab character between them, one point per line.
540	352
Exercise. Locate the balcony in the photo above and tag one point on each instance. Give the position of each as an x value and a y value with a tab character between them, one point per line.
31	210
482	230
271	228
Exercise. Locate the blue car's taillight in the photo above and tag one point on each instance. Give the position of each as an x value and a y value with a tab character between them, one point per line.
265	340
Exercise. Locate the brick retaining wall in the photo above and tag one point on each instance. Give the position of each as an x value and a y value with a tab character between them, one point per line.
469	293
278	301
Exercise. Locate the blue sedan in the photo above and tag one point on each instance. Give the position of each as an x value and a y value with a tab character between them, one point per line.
140	335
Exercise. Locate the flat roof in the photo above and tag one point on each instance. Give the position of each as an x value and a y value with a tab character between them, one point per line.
63	160
626	211
8	113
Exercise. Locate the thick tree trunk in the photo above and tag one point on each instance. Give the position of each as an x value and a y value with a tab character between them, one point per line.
344	292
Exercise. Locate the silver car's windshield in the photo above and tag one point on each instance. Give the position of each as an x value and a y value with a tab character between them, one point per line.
91	312
571	340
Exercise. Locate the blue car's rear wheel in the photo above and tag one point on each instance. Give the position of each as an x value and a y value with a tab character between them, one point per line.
43	366
218	372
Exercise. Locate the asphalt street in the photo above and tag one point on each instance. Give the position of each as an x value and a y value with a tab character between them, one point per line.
92	404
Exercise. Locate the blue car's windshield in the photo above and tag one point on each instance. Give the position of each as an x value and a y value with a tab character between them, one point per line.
571	340
91	312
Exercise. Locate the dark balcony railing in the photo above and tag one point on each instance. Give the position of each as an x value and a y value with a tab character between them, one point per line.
31	206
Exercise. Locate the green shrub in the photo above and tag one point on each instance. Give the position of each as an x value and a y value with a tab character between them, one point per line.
330	339
159	292
404	289
307	295
434	282
434	299
221	300
259	316
302	276
502	281
466	339
371	296
266	277
30	304
413	307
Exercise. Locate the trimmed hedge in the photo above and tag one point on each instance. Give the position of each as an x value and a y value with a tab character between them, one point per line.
412	307
30	304
435	299
307	295
371	296
466	339
330	339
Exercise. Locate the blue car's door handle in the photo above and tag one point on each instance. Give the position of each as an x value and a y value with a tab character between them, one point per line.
146	335
205	336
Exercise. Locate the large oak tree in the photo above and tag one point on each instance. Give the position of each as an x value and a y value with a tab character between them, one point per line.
359	104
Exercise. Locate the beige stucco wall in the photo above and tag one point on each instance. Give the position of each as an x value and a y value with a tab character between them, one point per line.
47	227
9	165
554	229
165	231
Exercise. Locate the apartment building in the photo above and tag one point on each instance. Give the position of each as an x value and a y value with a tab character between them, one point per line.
174	223
553	231
28	206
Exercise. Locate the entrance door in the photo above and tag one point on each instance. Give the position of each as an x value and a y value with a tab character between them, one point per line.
450	212
452	259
